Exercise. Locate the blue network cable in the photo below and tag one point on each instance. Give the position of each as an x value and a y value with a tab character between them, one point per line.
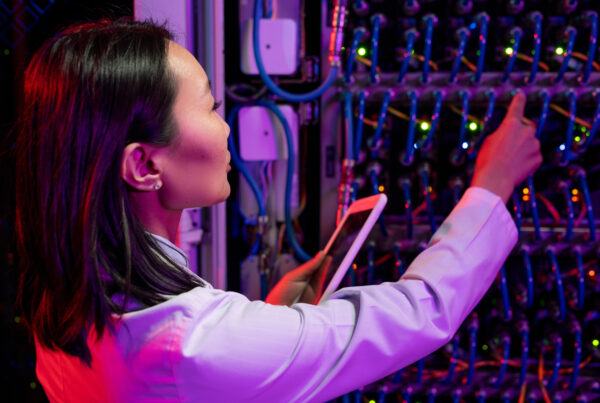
405	184
424	173
577	350
557	342
580	175
263	285
524	332
595	124
462	143
568	145
360	7
506	309
397	378
463	36
239	164
456	186
571	33
374	170
382	394
566	191
376	20
358	34
374	181
358	131
380	121
371	263
262	212
438	95
398	264
473	328
517	34
334	47
430	21
562	305
410	36
412	123
518	211
580	277
544	113
291	162
491	96
482	19
504	362
529	273
353	191
420	369
453	360
536	17
530	183
348	118
268	5
534	209
592	17
431	395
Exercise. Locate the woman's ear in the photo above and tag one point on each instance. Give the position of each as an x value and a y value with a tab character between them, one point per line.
138	168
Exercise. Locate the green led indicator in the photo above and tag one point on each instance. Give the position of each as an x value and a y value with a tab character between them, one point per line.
484	347
361	51
595	343
577	139
508	51
559	51
424	126
472	126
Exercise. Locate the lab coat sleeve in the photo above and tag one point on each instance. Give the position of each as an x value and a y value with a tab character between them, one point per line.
232	349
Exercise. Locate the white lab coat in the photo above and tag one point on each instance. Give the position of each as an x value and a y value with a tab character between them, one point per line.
214	345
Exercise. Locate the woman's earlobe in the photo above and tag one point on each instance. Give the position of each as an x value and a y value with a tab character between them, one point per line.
137	168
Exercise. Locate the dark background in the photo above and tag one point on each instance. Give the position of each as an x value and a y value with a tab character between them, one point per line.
24	25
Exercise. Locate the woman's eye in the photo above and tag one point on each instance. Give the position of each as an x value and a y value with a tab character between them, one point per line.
216	105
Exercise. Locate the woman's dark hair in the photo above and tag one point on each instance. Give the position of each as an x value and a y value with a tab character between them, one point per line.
88	92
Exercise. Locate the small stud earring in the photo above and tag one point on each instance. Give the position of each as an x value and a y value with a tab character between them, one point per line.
157	185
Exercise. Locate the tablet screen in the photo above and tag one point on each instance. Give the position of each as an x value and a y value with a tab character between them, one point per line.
344	240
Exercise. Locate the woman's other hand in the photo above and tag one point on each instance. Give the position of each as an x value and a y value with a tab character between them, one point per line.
303	284
510	154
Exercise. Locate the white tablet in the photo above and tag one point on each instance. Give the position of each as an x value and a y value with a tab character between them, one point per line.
348	238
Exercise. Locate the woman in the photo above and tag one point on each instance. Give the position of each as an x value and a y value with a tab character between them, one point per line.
118	134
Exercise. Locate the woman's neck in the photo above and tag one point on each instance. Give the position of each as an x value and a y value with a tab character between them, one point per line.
154	217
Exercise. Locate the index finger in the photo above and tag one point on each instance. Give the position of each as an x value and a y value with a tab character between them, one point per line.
517	105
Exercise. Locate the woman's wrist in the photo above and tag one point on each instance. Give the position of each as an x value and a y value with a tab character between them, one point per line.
496	184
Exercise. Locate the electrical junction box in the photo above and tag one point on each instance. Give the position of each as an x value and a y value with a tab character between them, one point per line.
263	147
278	45
261	134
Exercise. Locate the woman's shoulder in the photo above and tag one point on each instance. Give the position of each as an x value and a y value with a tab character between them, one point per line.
199	301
